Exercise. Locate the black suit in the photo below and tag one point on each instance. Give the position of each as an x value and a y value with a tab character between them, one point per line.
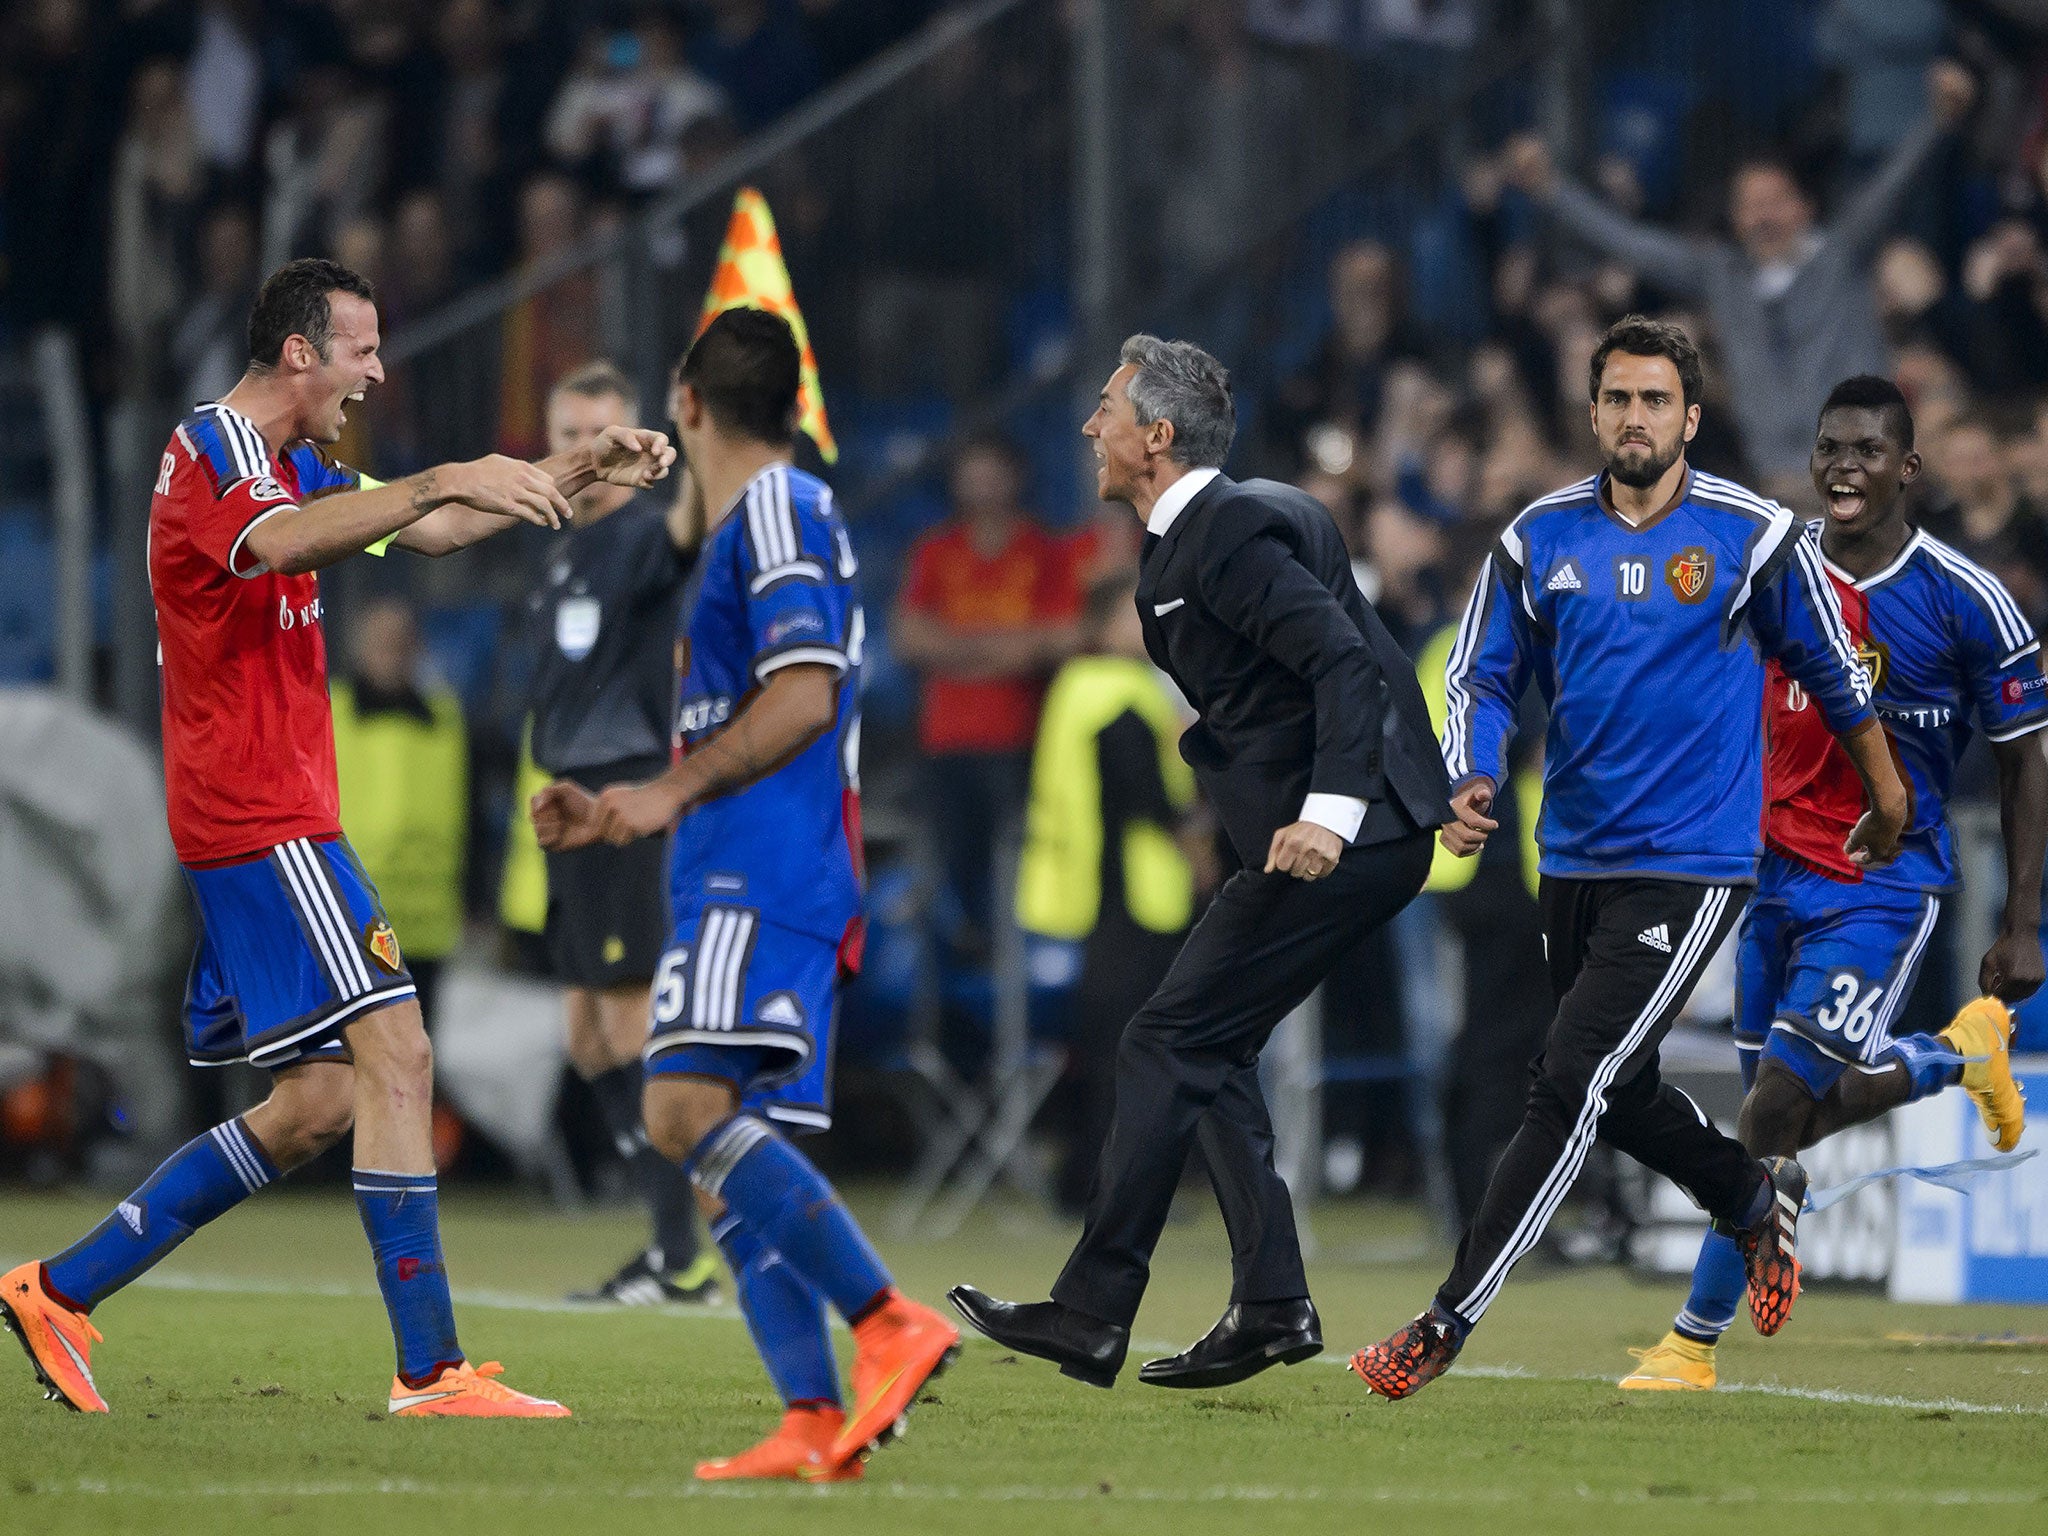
1249	604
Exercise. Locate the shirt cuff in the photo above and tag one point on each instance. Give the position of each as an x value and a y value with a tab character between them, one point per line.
1341	814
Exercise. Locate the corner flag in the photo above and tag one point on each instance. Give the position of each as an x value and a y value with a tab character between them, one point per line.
751	274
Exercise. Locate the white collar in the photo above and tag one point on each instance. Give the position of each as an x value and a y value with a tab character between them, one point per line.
1865	583
1175	498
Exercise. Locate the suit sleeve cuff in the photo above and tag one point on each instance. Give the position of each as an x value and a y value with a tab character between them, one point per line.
1341	814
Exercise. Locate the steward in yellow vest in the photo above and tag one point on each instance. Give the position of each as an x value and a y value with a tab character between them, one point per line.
402	756
1104	862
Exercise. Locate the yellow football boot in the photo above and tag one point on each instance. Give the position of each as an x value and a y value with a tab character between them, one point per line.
1983	1030
58	1340
1675	1364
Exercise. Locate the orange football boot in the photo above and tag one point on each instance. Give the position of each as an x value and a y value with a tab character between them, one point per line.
468	1391
801	1449
898	1347
58	1340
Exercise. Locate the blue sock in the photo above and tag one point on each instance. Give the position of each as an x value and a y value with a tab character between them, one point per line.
1718	1281
790	1207
1928	1061
402	1219
205	1178
785	1316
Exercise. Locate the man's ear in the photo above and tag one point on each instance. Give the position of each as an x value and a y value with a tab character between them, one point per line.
1692	421
1159	437
1909	467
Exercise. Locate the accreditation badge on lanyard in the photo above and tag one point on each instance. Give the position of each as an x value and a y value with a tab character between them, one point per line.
577	621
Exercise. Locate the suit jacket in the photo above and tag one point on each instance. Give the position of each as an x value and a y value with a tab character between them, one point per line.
1248	603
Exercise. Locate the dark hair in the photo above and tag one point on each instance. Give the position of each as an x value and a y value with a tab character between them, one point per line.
990	443
1869	392
747	369
1640	336
294	302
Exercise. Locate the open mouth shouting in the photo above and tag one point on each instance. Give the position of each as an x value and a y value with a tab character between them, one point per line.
1846	500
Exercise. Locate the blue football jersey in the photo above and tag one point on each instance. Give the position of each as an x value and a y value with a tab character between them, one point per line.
1949	653
775	588
1647	644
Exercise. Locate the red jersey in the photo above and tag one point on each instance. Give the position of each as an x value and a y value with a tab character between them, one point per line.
248	732
1030	580
1813	795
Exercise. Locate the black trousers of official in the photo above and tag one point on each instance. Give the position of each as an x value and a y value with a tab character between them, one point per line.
1624	955
1187	1070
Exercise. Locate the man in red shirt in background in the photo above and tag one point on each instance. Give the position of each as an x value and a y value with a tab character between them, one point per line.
989	609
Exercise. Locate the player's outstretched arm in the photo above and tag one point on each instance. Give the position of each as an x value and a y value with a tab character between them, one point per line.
629	456
797	706
1875	838
298	539
2012	968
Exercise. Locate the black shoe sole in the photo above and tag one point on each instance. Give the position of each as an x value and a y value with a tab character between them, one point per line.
1230	1373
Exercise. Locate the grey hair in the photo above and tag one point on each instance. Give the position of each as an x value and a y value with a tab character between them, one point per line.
1178	381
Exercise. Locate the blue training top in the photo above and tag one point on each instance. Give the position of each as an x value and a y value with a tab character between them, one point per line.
1647	643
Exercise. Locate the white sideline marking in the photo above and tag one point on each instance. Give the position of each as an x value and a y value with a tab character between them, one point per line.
1227	1493
728	1312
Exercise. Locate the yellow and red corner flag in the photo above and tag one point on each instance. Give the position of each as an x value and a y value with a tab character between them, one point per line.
752	274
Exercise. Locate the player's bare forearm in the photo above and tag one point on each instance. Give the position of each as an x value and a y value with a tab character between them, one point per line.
2013	969
797	706
686	516
311	537
1870	749
446	529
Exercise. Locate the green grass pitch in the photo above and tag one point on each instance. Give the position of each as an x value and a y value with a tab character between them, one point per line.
248	1380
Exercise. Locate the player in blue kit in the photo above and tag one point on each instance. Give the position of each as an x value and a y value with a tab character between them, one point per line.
1830	950
1642	602
765	886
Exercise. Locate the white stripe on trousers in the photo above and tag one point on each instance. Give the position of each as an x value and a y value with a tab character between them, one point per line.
1881	1035
355	972
1685	960
352	974
311	914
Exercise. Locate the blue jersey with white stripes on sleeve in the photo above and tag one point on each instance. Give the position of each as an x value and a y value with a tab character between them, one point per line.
1949	653
775	588
1647	643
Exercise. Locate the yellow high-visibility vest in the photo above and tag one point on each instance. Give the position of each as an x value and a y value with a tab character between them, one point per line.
405	808
1448	872
523	888
1059	879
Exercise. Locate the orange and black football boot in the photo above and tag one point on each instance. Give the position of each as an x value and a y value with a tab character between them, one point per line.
1413	1357
1770	1254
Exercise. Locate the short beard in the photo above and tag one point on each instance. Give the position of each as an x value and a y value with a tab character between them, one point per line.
1652	470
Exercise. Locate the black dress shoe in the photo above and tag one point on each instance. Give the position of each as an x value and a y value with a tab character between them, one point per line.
1082	1347
1249	1337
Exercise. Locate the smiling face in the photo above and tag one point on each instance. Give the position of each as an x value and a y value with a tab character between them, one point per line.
1641	418
1860	464
1124	451
324	386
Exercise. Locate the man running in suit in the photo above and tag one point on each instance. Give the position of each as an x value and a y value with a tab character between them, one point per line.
1314	746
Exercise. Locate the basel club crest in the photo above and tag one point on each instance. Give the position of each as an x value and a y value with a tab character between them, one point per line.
1690	574
383	943
1876	661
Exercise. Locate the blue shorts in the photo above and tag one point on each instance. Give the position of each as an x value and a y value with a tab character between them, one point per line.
293	945
1829	965
752	1003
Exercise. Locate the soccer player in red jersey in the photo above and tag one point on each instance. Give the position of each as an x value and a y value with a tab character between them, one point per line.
298	969
1831	948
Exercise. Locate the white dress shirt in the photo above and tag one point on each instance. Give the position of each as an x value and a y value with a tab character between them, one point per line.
1341	814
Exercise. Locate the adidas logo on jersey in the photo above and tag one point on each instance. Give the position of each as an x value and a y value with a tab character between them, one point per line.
780	1008
1658	937
131	1213
1566	578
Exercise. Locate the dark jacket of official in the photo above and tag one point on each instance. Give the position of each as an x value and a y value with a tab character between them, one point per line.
1248	603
